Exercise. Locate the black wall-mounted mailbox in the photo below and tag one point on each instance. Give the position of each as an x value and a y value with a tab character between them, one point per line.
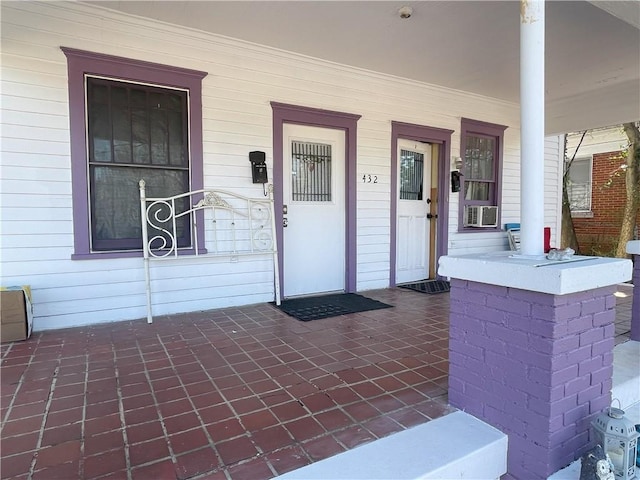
258	167
455	181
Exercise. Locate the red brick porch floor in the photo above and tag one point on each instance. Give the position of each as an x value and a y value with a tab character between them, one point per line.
238	393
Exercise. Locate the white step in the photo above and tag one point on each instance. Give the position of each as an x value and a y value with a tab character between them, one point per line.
626	374
457	445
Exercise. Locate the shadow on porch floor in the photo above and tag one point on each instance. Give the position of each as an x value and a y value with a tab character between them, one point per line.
237	393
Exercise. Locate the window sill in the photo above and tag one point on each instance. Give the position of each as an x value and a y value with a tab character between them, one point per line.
582	214
131	254
105	255
479	229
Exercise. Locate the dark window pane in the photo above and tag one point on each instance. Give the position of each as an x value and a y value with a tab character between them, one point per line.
119	96
156	101
138	98
100	133
175	102
134	124
115	204
98	93
176	139
159	137
140	131
121	134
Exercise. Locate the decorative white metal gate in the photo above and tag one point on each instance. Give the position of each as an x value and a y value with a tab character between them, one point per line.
234	226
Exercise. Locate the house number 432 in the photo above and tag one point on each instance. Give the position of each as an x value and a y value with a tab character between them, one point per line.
366	178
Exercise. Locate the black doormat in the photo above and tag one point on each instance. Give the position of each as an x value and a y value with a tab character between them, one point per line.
428	286
325	306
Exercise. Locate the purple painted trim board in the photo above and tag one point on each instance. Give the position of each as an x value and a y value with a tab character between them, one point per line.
479	128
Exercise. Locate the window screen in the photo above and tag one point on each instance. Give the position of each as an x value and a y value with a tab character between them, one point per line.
134	132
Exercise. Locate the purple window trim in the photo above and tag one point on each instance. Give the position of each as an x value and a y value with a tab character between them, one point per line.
421	133
284	113
477	127
79	63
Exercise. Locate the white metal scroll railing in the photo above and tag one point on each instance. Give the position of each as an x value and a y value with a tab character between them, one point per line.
234	226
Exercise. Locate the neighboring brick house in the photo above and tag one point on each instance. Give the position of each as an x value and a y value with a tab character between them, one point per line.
597	189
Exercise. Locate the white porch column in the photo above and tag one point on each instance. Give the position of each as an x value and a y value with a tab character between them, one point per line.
532	127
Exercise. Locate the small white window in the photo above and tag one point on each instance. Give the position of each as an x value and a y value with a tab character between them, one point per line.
579	184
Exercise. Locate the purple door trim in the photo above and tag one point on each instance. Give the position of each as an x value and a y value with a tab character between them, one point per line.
428	135
284	113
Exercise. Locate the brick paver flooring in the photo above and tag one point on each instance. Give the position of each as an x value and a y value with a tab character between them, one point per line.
237	393
240	393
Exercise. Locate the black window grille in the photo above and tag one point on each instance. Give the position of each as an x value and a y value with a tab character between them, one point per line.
310	172
411	175
134	132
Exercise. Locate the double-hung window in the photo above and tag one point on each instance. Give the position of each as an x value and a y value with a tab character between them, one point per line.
481	148
579	185
129	121
134	132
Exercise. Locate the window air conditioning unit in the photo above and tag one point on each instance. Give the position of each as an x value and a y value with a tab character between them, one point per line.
481	216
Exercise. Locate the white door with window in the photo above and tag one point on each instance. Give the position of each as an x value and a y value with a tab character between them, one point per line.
412	232
314	210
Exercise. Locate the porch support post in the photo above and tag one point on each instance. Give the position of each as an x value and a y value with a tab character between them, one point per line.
531	350
532	127
633	248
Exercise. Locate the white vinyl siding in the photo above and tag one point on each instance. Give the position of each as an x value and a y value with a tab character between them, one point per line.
36	208
597	140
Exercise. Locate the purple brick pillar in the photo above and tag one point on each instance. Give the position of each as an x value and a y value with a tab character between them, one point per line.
536	366
635	306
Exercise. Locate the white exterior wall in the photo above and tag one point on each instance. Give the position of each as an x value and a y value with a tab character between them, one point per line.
598	140
36	213
553	169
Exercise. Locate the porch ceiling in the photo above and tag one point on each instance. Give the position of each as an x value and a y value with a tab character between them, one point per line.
592	48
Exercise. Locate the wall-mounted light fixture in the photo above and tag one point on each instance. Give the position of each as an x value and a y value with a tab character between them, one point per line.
456	163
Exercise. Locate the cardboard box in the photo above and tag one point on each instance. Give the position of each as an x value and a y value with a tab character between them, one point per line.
16	313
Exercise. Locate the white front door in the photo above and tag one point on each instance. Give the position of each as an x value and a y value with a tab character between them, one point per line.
314	210
412	232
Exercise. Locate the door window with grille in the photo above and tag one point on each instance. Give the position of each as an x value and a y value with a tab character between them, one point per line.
411	175
310	172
